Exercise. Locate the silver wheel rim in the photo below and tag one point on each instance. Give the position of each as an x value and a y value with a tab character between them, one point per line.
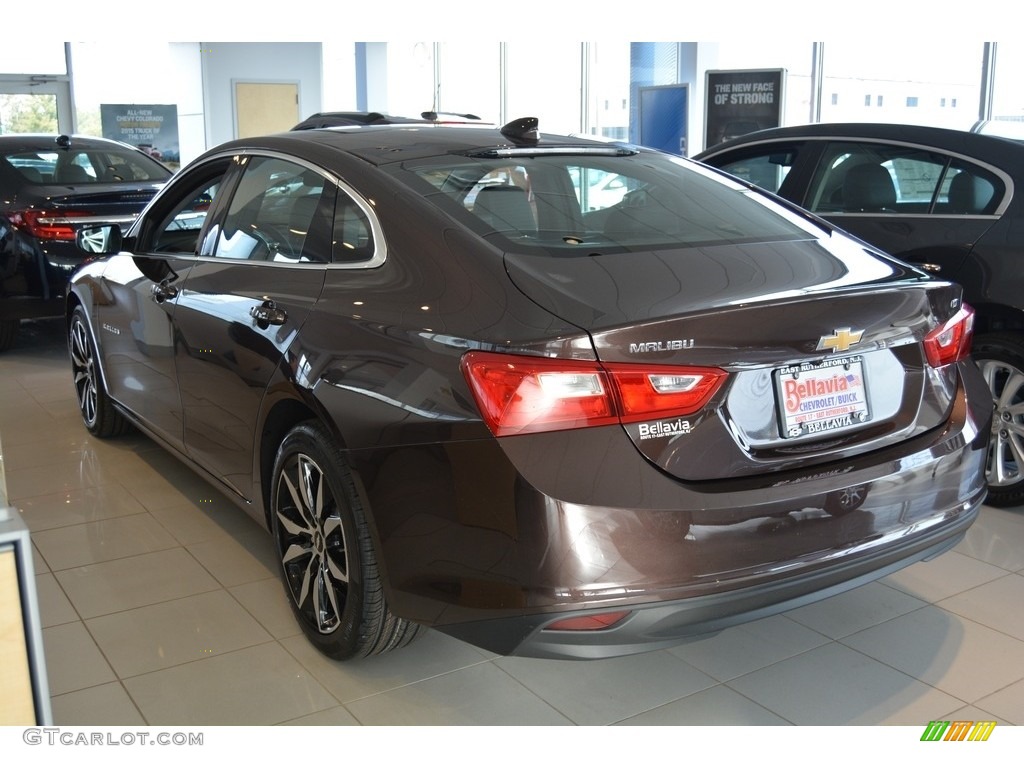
850	497
311	543
1006	451
83	367
94	242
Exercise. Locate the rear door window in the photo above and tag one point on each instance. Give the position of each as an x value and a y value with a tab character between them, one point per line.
274	212
875	178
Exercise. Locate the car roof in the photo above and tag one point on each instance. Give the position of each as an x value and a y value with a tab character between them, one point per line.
384	144
980	145
335	119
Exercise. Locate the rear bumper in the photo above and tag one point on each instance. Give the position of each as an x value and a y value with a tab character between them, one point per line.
661	625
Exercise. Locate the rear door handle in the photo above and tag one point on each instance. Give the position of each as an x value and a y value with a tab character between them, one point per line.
268	314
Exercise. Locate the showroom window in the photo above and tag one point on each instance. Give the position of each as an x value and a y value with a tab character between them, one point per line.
950	71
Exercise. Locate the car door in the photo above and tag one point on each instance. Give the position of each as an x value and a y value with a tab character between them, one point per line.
239	311
137	300
920	204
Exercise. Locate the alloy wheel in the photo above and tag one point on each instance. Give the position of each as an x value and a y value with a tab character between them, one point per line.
1006	451
83	367
312	543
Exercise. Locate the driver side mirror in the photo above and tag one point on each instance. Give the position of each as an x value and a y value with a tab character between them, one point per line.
101	240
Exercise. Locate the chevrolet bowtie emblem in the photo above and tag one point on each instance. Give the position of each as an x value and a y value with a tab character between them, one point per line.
840	340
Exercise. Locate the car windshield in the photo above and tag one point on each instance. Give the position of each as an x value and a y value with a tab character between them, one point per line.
634	201
85	166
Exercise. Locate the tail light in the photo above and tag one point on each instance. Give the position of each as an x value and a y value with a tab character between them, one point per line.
48	225
518	395
951	341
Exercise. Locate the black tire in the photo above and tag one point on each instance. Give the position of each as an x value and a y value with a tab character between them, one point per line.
326	554
98	412
1000	356
8	333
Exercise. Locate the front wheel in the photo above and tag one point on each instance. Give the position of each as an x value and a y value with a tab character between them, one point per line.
1000	356
98	412
327	558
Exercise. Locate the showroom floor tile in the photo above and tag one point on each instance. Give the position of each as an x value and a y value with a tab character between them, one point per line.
161	605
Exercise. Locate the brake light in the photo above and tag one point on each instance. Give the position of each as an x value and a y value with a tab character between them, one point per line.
519	395
48	225
951	341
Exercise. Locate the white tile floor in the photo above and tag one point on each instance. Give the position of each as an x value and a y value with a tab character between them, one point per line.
161	605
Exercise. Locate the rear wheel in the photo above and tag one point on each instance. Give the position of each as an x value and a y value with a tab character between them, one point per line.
98	412
1000	356
327	559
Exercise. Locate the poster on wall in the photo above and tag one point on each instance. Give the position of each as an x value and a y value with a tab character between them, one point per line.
663	114
742	101
153	128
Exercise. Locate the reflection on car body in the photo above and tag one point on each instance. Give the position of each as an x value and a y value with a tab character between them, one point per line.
453	392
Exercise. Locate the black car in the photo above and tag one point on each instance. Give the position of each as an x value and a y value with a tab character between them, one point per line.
940	199
460	399
50	187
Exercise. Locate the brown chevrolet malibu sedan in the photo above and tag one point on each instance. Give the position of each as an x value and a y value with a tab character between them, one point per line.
555	397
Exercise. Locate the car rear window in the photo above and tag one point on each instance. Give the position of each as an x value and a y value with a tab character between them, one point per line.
85	166
636	201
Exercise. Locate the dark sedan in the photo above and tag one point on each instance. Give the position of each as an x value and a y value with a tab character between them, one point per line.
459	398
940	199
50	187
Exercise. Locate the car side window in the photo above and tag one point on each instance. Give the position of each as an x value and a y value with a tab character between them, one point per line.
766	167
178	220
353	236
272	211
969	190
867	177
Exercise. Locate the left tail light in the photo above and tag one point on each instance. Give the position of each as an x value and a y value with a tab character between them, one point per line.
951	341
48	225
519	395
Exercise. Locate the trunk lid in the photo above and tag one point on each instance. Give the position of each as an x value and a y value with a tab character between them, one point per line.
822	339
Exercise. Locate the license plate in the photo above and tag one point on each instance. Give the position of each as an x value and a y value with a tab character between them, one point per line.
822	397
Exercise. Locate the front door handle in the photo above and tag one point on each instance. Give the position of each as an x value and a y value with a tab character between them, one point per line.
268	314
